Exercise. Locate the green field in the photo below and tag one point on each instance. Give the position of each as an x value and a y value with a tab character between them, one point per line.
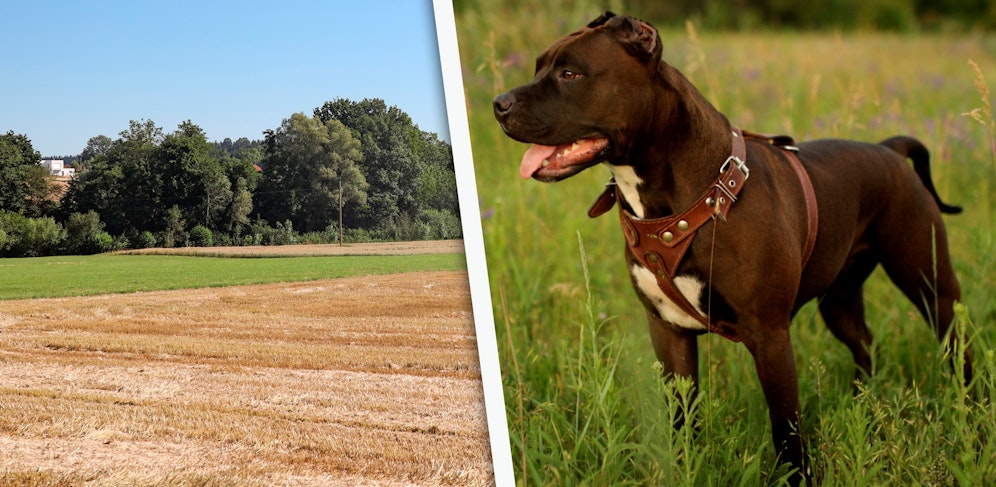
583	398
46	277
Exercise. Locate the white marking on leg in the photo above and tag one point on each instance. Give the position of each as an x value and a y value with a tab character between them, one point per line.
627	181
688	286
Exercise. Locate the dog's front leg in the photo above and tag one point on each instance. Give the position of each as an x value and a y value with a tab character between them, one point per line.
775	363
677	351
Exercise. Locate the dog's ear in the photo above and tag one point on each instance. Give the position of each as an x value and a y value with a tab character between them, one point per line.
601	20
639	37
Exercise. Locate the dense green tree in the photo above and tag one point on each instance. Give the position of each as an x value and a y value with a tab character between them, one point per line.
174	233
244	164
191	178
85	234
22	236
237	217
242	170
121	183
201	236
289	166
437	179
388	163
306	161
95	146
24	183
341	172
144	174
94	188
136	201
410	171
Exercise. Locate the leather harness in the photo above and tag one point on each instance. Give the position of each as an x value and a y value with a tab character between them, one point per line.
659	244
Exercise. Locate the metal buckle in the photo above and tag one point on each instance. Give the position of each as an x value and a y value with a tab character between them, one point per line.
740	165
725	193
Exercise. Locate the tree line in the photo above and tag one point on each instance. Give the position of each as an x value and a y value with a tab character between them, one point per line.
350	171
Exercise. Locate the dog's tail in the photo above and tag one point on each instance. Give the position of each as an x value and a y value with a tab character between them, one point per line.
911	148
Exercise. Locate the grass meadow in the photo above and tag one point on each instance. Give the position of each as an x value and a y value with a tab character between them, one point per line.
584	401
43	277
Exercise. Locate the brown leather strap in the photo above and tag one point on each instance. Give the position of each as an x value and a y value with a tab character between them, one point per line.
605	201
812	209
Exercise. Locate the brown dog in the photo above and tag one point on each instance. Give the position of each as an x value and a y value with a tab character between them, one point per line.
726	231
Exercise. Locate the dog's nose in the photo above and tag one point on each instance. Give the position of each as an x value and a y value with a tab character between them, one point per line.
503	103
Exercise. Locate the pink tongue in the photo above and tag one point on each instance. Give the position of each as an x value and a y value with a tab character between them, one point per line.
533	159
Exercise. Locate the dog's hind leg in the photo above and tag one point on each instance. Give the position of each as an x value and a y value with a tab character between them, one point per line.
843	310
919	264
915	246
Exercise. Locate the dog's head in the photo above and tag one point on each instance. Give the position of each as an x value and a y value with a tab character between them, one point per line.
591	92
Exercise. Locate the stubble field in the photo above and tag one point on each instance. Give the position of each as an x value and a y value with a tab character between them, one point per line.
369	380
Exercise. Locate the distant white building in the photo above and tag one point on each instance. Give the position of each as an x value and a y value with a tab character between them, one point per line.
58	168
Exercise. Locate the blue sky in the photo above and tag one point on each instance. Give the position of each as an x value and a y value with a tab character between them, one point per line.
72	70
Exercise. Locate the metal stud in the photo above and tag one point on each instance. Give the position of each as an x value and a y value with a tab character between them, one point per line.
667	236
683	225
710	201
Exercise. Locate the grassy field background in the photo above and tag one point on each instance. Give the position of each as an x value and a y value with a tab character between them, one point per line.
583	398
153	270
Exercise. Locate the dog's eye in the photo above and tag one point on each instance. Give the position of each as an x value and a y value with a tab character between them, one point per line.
569	75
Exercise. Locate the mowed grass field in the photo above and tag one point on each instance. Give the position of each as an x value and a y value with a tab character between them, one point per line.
583	397
191	267
371	379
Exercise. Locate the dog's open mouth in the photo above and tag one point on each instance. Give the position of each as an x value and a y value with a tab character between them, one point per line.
556	162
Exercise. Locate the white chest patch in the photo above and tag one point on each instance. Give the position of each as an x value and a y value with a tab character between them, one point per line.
627	182
688	286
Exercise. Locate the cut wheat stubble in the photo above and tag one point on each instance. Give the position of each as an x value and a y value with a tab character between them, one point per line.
292	383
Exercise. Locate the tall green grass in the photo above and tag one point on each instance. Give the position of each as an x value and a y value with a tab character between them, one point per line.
584	401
